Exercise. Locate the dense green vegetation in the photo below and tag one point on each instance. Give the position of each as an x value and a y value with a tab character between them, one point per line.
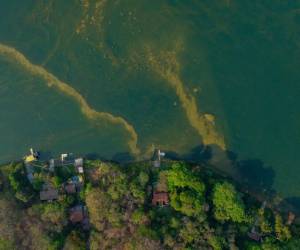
205	211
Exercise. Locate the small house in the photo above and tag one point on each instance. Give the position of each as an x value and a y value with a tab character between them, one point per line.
32	157
291	218
160	196
70	188
78	163
77	214
255	236
160	199
51	165
48	193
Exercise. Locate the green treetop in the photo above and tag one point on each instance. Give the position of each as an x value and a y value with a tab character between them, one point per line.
228	205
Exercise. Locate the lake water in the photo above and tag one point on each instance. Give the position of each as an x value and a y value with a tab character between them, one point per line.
113	78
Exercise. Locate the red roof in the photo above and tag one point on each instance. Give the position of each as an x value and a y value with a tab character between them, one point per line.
70	188
160	198
49	194
254	236
291	218
76	214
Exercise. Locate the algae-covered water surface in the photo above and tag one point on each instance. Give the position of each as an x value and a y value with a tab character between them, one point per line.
114	78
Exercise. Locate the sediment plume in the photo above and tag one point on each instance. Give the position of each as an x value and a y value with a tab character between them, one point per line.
166	65
52	81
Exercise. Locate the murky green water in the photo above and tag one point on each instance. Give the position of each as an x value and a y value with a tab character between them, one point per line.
114	77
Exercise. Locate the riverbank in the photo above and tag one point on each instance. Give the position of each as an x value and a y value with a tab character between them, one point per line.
220	165
251	176
177	205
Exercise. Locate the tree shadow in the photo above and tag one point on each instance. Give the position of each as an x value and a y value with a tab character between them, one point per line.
123	157
199	153
92	156
45	155
232	156
254	173
173	156
294	203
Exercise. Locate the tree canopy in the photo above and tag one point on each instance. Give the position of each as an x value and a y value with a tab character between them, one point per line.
205	211
228	205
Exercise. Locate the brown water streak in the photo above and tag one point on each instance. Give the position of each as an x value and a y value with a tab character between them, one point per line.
166	65
53	81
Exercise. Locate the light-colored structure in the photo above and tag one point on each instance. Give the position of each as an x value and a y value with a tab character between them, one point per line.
78	163
51	165
49	195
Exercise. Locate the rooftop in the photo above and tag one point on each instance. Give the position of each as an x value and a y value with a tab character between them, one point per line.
254	236
160	199
78	162
49	194
77	214
291	218
30	158
70	188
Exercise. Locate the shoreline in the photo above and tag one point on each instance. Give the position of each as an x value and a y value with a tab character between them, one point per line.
273	199
159	193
